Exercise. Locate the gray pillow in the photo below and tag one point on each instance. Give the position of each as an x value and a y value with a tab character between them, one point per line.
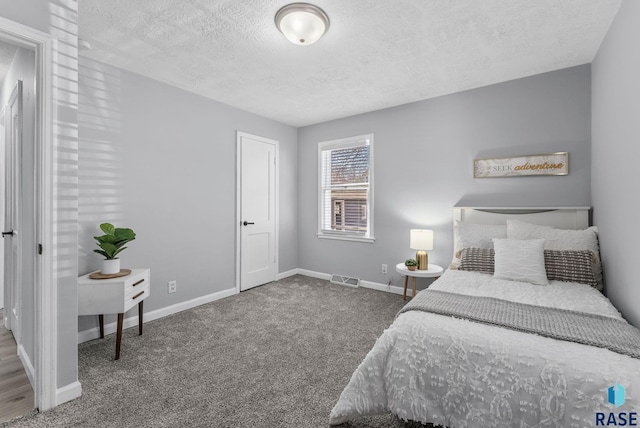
569	266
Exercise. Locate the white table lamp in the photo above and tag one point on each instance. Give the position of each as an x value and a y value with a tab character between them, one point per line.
421	240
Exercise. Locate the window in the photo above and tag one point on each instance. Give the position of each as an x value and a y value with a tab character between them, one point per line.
345	193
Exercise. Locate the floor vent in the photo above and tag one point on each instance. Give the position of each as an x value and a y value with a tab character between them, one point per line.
345	280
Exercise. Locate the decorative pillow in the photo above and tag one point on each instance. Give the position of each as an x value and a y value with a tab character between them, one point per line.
472	235
478	260
520	260
560	239
570	266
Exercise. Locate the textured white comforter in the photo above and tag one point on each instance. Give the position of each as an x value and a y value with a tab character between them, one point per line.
458	373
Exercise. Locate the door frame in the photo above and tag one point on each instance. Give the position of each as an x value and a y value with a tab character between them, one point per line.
45	288
239	135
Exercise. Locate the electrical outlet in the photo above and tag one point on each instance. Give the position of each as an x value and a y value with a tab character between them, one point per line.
171	286
383	269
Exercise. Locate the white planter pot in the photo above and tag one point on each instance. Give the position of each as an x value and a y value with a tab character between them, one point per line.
110	266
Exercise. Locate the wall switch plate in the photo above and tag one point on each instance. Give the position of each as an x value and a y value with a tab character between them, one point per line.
383	269
171	286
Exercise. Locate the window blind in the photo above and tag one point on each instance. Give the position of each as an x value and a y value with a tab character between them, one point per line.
345	177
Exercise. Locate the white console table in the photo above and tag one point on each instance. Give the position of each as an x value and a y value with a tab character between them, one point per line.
114	296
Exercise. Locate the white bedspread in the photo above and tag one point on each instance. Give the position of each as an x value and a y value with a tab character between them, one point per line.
457	373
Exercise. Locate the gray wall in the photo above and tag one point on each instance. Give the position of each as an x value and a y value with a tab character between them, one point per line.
423	165
615	154
163	161
23	68
59	18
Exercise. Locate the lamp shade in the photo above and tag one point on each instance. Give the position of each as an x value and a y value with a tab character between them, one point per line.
302	23
421	239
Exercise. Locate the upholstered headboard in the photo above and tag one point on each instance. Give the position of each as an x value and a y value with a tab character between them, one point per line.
560	217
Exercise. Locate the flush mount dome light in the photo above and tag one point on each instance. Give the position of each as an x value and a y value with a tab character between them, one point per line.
302	23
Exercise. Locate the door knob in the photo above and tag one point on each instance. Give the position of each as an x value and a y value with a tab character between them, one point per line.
245	223
10	233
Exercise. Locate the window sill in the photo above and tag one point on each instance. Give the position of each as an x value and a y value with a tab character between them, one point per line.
346	238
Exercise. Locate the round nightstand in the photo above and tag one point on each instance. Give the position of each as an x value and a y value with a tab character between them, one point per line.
434	271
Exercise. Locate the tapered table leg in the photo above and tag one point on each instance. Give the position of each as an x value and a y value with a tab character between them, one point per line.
119	335
101	320
414	287
406	282
140	312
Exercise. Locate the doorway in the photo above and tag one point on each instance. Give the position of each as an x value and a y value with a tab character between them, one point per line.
11	234
2	198
37	311
257	211
17	204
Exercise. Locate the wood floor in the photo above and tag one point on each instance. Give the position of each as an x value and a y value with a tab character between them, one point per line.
16	394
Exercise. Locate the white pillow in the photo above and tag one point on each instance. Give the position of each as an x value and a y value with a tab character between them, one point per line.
520	260
472	235
560	239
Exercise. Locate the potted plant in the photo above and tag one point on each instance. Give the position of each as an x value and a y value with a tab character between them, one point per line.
111	244
411	264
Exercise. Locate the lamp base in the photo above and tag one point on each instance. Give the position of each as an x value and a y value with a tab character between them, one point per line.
423	260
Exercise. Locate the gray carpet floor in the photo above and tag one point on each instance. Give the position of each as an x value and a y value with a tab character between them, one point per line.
278	355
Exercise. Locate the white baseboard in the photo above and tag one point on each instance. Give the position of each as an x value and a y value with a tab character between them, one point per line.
366	284
64	394
382	287
286	274
94	333
313	274
68	392
28	366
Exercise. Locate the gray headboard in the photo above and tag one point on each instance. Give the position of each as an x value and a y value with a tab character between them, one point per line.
560	217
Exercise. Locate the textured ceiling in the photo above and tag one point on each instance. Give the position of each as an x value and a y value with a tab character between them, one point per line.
376	54
7	52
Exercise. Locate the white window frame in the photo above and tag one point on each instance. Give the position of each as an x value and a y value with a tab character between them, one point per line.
341	144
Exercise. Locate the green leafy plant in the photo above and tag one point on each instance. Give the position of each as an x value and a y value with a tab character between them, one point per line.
113	241
410	262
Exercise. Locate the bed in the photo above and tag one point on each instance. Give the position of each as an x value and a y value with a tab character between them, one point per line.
468	371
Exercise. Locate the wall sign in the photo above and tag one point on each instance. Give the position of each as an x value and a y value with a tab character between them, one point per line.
547	164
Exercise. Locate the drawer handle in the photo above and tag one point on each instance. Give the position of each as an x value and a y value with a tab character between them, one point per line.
139	282
137	295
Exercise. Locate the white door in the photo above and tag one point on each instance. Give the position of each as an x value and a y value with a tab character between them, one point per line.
10	234
257	210
2	200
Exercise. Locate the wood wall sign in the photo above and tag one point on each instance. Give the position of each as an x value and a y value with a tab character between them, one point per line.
546	164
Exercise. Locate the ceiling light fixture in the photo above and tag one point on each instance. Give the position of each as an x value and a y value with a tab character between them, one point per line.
302	23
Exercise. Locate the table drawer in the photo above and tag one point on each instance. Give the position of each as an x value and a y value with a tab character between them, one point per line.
136	284
136	290
134	299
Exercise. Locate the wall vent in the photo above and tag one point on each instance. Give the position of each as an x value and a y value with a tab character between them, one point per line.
345	280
